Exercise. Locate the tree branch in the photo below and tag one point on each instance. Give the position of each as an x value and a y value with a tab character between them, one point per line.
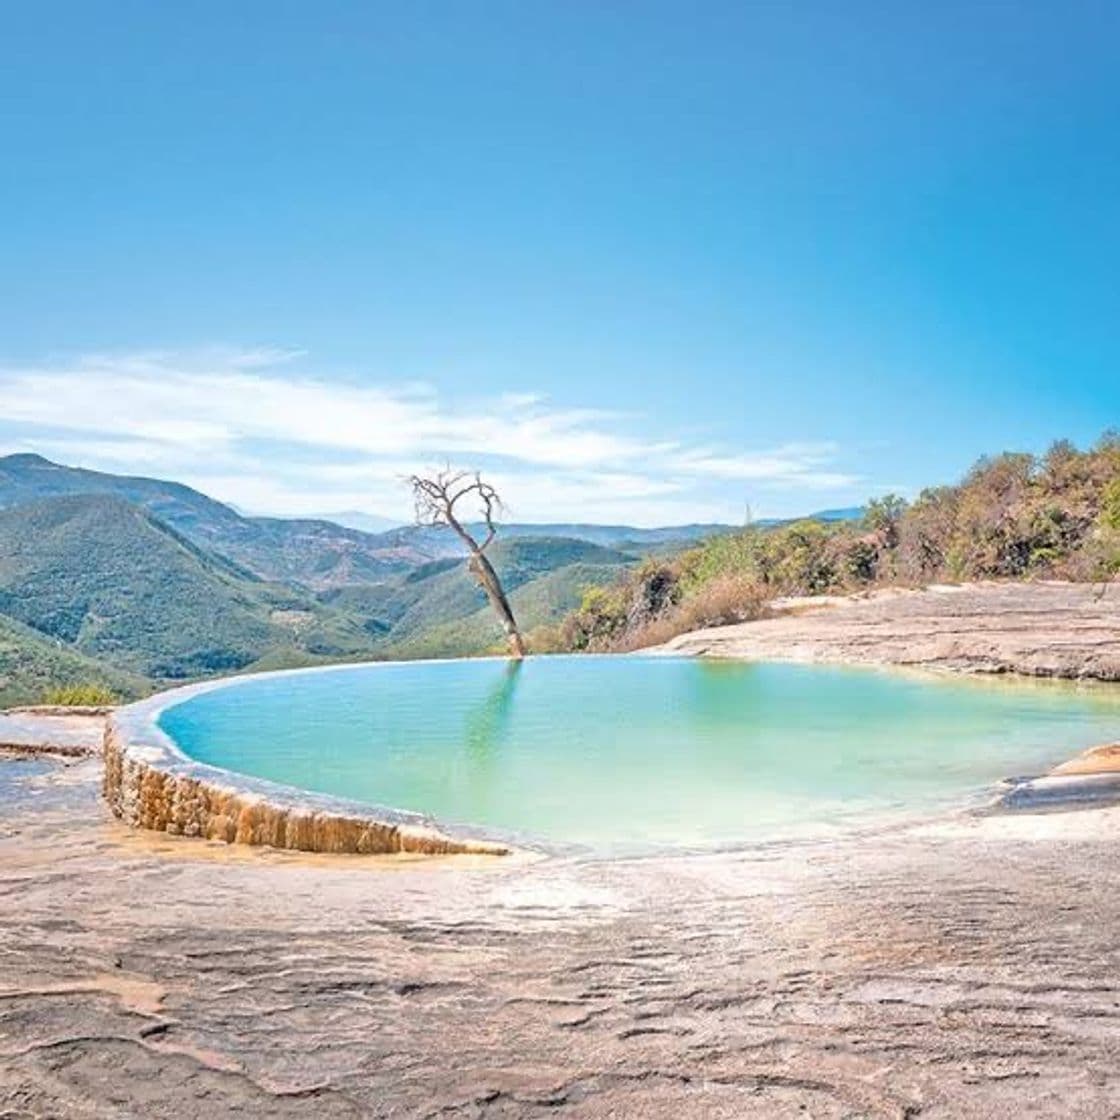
435	499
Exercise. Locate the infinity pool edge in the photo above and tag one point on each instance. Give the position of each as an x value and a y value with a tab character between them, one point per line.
149	783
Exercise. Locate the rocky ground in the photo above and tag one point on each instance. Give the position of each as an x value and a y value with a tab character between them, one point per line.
967	967
33	731
1040	629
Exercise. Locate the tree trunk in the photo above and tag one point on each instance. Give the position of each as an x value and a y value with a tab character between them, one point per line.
482	570
488	579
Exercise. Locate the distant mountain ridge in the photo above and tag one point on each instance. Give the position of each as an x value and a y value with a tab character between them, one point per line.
355	519
846	513
111	581
317	553
435	542
132	582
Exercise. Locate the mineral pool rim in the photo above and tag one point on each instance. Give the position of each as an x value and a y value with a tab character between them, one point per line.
150	783
1026	726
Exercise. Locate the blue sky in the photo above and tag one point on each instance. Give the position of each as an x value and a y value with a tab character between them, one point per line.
640	261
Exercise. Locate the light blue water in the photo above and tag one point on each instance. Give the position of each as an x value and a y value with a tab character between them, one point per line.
629	753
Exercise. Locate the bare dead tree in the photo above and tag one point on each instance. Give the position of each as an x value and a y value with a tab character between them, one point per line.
435	499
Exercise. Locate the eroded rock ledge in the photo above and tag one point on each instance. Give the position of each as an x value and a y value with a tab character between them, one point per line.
1044	629
148	784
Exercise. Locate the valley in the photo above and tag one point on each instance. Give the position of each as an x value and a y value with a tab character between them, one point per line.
133	584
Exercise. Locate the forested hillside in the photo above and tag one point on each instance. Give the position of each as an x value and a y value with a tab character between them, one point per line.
1013	516
112	582
136	583
32	665
131	584
314	553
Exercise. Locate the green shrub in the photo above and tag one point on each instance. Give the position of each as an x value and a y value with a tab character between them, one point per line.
1110	506
884	516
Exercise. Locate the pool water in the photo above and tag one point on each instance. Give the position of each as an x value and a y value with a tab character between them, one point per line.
640	753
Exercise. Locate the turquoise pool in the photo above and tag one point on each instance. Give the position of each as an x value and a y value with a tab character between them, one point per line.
637	753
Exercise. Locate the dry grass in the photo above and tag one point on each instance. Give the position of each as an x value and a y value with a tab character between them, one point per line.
80	696
724	600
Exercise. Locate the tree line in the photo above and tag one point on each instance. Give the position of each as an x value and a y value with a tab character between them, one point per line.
1013	516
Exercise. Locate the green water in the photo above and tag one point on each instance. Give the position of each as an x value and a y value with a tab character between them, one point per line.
630	753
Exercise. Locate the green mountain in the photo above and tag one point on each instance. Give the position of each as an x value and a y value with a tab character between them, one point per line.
439	610
134	581
425	541
317	554
313	552
539	602
98	590
31	663
112	582
31	478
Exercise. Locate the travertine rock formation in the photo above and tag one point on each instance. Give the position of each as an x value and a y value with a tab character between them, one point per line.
147	787
968	970
1046	629
1097	760
965	967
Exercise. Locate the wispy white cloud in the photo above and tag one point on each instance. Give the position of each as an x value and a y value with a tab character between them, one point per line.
251	427
806	465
